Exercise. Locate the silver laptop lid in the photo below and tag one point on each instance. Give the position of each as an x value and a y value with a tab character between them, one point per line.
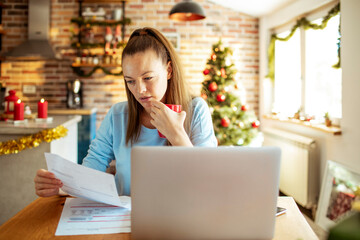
204	193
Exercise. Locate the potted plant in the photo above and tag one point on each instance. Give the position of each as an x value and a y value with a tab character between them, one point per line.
327	119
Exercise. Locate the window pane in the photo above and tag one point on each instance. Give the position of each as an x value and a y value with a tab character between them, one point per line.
323	82
287	92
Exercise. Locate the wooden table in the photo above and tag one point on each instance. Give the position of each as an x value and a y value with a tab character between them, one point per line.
39	220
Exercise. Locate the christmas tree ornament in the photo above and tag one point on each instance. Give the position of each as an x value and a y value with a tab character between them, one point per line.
204	96
216	49
223	73
220	98
243	108
225	122
240	142
213	87
206	71
213	56
255	124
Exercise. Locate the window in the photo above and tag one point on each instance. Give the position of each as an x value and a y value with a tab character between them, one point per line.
304	76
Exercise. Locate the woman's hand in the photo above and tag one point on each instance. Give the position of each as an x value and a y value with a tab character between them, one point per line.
46	184
170	124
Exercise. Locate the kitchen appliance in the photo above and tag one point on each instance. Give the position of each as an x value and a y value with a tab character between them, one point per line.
74	94
37	46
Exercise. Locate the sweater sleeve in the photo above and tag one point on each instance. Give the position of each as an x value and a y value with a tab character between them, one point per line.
101	150
202	130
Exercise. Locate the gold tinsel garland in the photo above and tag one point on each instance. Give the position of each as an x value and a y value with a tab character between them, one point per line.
33	140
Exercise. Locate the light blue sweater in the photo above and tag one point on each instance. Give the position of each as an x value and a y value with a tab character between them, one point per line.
110	140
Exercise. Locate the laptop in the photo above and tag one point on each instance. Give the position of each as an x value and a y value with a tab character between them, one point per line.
204	193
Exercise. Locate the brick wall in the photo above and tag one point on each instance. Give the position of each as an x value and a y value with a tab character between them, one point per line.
239	31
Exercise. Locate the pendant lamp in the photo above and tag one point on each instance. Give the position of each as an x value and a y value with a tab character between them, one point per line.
187	10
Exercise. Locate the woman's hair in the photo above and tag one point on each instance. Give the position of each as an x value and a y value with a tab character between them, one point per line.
177	92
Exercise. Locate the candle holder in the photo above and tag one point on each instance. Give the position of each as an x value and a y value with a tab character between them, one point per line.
17	122
44	120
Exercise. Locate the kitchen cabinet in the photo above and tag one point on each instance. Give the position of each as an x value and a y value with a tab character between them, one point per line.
17	171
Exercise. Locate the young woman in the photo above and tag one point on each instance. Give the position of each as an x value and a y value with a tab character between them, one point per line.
153	77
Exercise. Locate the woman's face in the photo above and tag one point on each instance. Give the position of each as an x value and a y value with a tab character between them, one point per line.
146	77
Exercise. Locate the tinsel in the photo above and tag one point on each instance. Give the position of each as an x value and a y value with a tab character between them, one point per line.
33	140
306	24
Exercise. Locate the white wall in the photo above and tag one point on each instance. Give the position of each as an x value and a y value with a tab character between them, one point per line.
344	149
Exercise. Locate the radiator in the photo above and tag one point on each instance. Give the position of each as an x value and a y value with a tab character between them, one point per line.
299	169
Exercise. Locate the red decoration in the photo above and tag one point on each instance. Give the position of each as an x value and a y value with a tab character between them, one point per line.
213	56
255	124
340	204
10	102
244	108
213	87
220	98
42	108
19	110
204	96
223	73
206	71
225	122
175	108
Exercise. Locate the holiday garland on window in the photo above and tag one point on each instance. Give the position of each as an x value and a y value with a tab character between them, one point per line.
306	24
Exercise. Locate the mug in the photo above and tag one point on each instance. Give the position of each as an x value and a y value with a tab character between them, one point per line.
175	108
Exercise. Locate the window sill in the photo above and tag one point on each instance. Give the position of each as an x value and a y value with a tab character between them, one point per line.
321	127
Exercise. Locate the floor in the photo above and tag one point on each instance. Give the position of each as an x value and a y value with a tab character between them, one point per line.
322	234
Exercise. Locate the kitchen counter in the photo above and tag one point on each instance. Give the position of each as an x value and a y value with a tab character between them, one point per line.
67	111
31	126
17	171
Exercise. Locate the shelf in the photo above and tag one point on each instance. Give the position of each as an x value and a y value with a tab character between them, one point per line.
321	127
102	1
94	22
94	65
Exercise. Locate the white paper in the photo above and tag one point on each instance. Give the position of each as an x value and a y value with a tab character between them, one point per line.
81	216
81	181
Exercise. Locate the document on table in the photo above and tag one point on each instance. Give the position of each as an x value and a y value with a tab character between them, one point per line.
81	181
81	216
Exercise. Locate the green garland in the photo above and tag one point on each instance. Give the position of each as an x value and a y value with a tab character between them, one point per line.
82	73
82	21
78	45
306	24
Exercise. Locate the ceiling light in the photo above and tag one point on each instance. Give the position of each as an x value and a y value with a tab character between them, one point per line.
187	10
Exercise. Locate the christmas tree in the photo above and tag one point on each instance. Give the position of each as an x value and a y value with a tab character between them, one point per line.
233	123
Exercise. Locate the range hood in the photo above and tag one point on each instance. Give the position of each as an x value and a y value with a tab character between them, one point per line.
37	46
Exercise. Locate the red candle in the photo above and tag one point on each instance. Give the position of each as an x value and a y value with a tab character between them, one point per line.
19	110
42	108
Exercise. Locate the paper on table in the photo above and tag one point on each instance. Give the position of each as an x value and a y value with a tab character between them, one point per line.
81	216
81	181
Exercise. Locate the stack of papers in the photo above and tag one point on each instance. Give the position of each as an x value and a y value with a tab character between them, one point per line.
98	208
